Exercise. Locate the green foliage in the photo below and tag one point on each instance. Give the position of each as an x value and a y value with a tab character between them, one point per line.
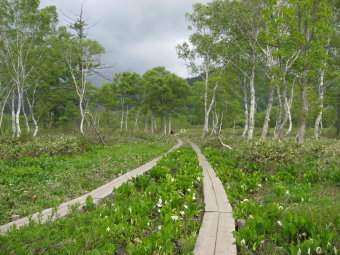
89	205
287	194
33	184
13	149
159	218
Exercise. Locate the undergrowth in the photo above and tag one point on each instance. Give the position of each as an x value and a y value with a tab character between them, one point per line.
29	184
157	213
287	194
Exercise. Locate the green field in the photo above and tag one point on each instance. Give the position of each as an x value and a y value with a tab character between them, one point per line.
287	194
31	184
158	212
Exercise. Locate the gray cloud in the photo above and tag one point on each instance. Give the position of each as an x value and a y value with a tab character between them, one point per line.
137	34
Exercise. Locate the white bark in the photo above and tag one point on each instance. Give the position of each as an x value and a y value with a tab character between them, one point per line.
146	123
3	105
279	113
122	117
207	106
170	125
82	114
136	120
14	129
31	105
304	115
290	102
268	112
252	105
165	126
208	109
126	117
153	129
26	118
17	114
321	89
246	110
206	115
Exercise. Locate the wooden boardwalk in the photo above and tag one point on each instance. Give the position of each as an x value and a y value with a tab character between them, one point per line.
97	194
215	236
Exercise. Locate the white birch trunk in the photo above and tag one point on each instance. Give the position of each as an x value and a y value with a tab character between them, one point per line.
82	114
122	118
165	126
155	123
208	111
268	112
17	114
170	125
321	89
14	129
35	122
206	114
126	117
146	123
152	123
3	107
252	105
26	119
290	102
246	110
304	115
136	121
279	114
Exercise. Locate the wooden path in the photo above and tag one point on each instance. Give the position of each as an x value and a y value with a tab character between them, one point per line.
215	236
97	194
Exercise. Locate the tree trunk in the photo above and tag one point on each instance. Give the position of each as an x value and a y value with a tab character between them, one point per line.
279	113
35	122
318	120
136	120
146	123
286	110
155	123
14	129
252	105
17	114
126	117
82	115
152	123
208	111
165	126
26	119
246	111
170	125
268	112
122	117
290	103
304	116
3	105
206	114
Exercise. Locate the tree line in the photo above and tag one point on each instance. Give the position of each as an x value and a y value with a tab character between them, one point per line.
45	70
289	45
256	63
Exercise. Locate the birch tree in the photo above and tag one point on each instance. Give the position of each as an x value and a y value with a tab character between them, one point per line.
201	57
127	86
314	24
23	49
82	58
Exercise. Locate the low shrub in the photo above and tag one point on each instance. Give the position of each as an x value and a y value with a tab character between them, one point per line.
13	149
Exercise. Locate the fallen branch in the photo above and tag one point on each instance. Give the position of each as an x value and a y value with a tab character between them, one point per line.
223	144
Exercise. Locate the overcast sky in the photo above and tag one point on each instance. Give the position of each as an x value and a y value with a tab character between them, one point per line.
137	34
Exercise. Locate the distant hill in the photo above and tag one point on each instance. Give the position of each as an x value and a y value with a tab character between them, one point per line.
192	80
